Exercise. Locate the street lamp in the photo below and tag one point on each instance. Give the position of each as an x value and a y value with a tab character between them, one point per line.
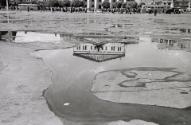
7	8
172	4
7	5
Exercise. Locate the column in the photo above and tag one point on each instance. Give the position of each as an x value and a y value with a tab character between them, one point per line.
172	4
111	4
88	4
95	5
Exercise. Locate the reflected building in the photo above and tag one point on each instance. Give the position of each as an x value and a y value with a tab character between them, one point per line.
174	43
8	35
70	38
100	53
2	3
41	37
26	37
183	30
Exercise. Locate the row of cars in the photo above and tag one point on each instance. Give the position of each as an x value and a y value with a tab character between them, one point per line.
162	9
175	10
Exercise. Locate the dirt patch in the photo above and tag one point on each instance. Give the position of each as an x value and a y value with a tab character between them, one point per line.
21	86
144	85
1	66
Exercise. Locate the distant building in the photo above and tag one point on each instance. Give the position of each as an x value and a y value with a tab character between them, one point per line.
167	3
150	8
2	3
13	2
100	53
157	2
29	1
184	4
97	4
16	2
28	7
160	5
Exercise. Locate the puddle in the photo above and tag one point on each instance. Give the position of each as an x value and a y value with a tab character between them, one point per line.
57	38
92	34
28	37
3	21
182	30
37	37
121	25
93	85
2	66
117	26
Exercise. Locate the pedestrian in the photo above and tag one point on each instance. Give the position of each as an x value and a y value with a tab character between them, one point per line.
28	9
155	12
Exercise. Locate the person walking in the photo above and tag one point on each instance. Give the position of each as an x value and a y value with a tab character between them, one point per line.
28	9
155	12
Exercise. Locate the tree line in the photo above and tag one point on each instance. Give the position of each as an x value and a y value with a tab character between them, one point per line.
79	3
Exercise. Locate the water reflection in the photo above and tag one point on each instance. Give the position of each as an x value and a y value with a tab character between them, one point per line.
76	97
8	35
46	37
174	43
182	30
30	36
93	34
24	37
99	53
185	30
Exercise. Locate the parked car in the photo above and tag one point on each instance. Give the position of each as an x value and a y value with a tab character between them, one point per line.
174	10
188	10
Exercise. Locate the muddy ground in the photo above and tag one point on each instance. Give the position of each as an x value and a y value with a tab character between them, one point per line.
22	80
23	77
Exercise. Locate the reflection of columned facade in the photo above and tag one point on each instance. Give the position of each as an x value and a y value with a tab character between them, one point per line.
109	48
100	53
